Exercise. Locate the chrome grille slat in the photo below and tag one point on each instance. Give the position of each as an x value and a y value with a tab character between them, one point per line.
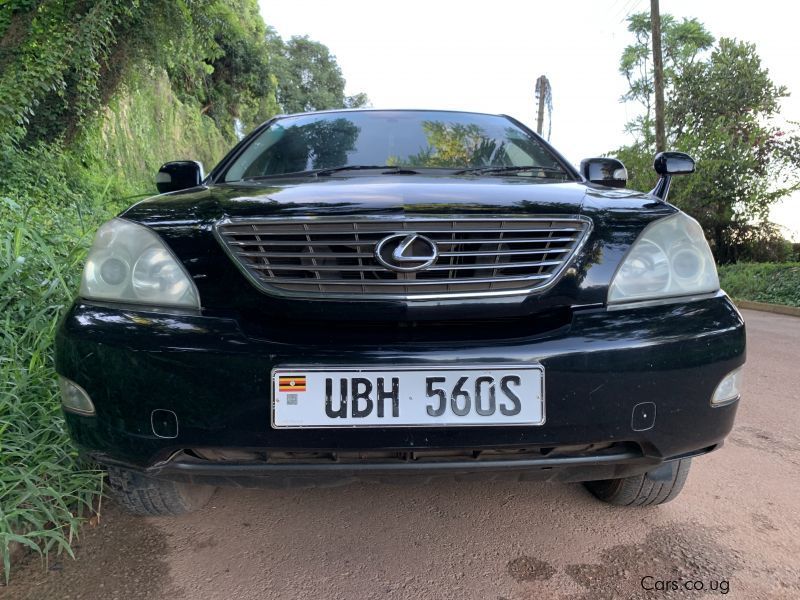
478	255
406	282
380	269
261	248
420	230
497	257
314	254
439	242
505	252
360	257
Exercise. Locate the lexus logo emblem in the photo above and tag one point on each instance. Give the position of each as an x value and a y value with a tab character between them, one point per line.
406	252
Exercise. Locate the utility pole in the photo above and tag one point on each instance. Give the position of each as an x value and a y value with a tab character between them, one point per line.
658	74
543	94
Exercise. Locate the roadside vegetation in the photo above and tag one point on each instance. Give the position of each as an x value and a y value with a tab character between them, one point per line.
773	283
94	96
723	108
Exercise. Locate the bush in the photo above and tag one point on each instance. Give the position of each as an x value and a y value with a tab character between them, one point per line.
48	220
774	283
53	197
758	243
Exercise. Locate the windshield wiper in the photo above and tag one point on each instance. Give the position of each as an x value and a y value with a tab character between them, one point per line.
509	169
394	169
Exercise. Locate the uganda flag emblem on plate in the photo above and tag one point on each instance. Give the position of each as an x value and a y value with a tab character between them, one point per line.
292	383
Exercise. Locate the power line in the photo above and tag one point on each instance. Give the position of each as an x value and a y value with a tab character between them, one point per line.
624	9
631	8
618	7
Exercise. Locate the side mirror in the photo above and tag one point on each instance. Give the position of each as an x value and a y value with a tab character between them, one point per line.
605	171
673	163
179	175
668	164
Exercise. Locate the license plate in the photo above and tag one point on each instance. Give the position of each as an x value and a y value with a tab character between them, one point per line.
407	397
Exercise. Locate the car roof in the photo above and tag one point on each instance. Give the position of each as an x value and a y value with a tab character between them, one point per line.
351	110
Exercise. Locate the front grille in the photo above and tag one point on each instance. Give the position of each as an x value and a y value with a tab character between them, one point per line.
321	257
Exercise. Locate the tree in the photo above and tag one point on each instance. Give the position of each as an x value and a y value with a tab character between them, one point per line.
62	60
681	44
358	100
312	80
721	108
241	81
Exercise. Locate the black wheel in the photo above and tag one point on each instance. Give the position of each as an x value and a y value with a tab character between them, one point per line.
649	489
154	497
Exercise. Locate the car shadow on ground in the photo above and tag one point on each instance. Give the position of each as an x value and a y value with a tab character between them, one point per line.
404	539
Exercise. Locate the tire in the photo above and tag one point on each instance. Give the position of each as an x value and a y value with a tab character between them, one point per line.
648	489
144	496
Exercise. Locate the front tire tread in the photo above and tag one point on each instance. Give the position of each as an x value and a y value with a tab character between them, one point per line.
145	496
642	490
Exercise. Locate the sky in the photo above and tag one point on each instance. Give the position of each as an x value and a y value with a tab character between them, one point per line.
486	56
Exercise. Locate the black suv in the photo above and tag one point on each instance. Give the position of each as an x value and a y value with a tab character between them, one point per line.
370	294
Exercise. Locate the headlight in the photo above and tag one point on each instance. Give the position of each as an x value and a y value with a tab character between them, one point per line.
130	263
670	258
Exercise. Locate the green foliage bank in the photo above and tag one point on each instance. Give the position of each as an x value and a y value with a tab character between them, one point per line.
773	283
94	96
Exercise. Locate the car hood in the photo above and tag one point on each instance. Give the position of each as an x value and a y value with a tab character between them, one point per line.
186	220
384	194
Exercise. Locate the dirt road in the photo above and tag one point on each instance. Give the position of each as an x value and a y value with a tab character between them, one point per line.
735	528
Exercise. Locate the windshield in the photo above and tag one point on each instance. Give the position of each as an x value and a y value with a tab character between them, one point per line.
404	139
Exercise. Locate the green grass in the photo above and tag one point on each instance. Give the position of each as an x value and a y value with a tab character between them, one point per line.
52	199
774	283
44	490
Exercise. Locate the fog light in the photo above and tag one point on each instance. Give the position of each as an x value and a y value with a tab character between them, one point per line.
74	398
729	389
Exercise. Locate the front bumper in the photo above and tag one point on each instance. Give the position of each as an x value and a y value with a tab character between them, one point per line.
216	379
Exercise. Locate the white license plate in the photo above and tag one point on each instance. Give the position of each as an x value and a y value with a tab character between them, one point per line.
407	396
